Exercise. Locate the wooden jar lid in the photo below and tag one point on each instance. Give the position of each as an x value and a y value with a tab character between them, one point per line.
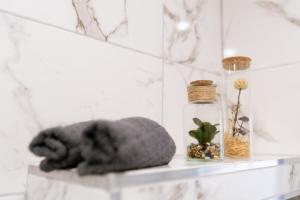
201	82
202	91
236	63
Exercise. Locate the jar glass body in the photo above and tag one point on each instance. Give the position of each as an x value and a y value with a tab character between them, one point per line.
238	123
203	131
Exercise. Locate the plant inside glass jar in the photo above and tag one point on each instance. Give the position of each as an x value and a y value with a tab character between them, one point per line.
236	145
237	126
204	134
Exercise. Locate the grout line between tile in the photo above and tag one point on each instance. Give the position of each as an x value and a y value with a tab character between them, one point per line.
270	67
74	32
163	69
222	27
274	67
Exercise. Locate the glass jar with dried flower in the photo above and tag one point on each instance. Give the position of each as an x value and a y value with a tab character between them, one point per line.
238	126
203	125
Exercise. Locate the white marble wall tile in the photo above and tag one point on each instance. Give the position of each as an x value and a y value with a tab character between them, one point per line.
41	188
192	33
266	30
131	23
50	77
235	186
275	104
176	80
13	197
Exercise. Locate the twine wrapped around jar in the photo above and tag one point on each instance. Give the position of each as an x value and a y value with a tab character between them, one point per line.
202	91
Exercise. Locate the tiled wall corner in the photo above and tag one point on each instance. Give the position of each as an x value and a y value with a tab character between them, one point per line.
135	24
50	77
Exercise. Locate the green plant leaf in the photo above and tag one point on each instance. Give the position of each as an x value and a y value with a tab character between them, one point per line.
196	134
193	133
212	131
197	121
205	133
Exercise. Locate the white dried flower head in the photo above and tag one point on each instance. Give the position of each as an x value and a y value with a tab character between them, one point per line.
241	84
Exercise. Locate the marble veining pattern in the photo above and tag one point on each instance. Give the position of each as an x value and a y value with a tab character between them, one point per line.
125	23
274	181
251	28
17	104
278	7
22	94
189	30
192	33
47	189
88	22
281	100
294	177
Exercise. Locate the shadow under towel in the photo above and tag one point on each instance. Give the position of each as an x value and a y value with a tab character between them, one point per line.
126	144
60	146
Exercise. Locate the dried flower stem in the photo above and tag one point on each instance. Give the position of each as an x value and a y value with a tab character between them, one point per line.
236	113
241	125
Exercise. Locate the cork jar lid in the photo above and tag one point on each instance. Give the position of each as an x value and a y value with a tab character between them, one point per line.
236	63
202	91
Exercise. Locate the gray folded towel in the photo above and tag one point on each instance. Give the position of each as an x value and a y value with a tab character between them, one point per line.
60	146
126	144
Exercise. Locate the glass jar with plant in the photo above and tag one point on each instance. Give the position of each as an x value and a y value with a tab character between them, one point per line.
238	121
203	125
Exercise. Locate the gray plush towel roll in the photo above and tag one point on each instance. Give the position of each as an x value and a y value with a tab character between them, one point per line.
60	146
126	144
